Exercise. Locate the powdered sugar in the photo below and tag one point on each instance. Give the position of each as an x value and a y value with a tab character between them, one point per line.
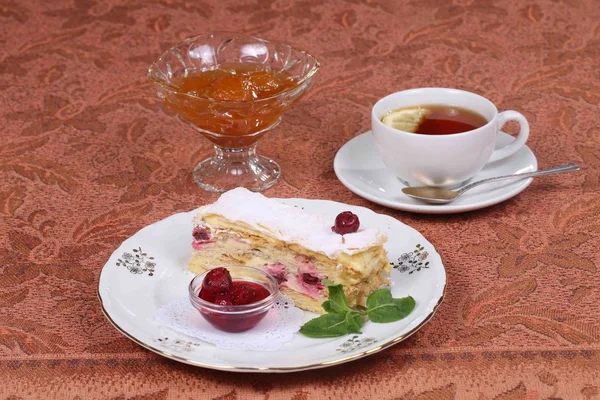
290	224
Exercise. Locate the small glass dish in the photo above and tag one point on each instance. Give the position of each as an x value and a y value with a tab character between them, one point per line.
234	127
236	318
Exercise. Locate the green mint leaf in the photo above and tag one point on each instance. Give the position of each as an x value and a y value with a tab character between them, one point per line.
354	322
327	306
326	326
337	298
382	307
327	282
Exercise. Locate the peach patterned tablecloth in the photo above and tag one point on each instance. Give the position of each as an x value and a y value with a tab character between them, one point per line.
87	157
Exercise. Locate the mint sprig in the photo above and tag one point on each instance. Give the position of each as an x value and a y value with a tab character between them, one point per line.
337	298
331	325
382	307
341	319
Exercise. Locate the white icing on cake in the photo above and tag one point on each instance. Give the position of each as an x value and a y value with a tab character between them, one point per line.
290	224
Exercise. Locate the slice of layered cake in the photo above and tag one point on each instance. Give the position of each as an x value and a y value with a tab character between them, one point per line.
298	248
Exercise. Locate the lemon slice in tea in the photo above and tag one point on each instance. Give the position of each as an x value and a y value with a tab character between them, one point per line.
406	119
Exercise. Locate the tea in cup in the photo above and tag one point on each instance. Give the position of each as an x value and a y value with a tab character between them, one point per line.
440	137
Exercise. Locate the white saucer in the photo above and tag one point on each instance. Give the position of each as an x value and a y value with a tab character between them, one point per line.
360	168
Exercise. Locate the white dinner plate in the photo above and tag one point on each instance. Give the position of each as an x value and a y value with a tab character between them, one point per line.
360	168
149	270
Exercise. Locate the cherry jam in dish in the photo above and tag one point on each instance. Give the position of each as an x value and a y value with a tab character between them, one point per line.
242	292
233	299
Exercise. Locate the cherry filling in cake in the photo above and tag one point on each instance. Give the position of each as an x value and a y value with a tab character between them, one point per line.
298	248
308	277
201	237
278	271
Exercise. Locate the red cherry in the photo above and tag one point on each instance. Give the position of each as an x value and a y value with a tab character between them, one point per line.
205	296
243	294
223	299
346	222
217	281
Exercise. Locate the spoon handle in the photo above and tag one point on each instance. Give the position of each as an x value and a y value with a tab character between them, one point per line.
554	170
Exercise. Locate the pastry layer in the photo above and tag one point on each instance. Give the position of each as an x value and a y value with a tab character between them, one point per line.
298	269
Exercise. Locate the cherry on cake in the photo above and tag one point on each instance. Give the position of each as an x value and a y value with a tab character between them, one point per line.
298	248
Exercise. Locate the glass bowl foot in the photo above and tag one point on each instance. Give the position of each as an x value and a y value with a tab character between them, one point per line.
231	168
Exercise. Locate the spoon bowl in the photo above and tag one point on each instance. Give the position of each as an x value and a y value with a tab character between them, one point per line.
431	195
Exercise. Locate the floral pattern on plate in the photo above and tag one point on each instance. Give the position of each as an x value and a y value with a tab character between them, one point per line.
413	261
178	344
355	343
137	263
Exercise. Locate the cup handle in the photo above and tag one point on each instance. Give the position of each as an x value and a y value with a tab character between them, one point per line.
519	141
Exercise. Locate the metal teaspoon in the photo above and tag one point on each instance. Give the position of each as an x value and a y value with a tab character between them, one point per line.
435	195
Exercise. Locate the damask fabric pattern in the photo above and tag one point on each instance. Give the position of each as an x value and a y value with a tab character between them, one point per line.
88	157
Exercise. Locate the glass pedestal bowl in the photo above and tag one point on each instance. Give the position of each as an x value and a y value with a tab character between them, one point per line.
234	127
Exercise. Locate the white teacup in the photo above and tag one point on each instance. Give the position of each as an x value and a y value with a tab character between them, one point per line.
442	160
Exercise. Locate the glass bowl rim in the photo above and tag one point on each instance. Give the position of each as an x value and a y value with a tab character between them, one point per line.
233	309
189	39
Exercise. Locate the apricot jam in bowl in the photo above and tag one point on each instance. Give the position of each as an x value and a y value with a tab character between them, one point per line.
233	298
233	89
